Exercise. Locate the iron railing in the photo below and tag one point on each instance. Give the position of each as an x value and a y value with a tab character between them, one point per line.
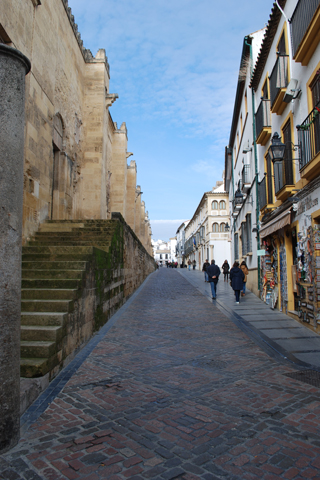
278	77
246	174
262	193
263	116
300	21
309	136
283	171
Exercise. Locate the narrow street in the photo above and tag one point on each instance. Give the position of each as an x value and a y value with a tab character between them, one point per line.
172	387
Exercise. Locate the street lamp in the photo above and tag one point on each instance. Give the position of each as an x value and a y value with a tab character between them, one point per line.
238	198
277	149
227	227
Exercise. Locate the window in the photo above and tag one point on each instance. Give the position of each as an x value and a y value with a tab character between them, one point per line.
222	205
269	179
236	246
214	205
288	170
249	232
244	238
282	45
161	256
166	255
222	227
265	91
215	227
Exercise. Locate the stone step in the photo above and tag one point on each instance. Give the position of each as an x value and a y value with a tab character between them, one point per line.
48	294
52	274
37	367
42	265
39	257
46	305
83	232
44	318
59	250
80	243
89	221
32	333
34	349
59	227
48	283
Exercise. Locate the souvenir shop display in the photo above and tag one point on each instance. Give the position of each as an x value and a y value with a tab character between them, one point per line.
269	271
308	275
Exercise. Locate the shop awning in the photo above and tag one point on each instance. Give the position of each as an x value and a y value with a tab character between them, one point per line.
279	222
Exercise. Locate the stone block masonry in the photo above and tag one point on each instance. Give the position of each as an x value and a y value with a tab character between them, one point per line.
76	275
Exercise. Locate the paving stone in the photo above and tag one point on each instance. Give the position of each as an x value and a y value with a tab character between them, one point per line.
174	390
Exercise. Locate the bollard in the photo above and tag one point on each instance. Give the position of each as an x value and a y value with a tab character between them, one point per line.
13	68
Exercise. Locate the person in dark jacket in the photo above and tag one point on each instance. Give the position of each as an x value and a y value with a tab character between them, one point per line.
225	267
213	272
237	278
204	269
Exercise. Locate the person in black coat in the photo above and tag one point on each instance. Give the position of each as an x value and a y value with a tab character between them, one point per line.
213	272
204	269
237	278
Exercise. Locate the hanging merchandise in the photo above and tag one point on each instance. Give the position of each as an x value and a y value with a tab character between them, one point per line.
269	272
308	275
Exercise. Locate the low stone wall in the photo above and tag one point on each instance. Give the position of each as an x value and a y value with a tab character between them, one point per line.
110	277
119	273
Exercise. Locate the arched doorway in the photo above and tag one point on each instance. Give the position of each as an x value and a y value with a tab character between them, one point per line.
57	145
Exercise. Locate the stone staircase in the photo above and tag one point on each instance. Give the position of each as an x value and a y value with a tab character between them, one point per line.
55	266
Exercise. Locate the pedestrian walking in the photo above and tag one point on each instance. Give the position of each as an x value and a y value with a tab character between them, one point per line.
194	263
245	270
236	278
189	264
204	268
213	272
225	268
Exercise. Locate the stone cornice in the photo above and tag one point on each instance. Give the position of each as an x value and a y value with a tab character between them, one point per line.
86	53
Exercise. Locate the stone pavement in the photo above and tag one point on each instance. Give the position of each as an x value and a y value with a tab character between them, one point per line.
171	388
274	331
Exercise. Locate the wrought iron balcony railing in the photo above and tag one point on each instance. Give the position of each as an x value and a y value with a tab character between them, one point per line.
283	171
246	180
300	21
262	193
263	117
278	77
309	136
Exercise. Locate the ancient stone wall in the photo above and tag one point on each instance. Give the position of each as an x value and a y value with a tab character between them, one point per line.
75	158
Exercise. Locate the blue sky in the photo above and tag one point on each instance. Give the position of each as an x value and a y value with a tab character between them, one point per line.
174	65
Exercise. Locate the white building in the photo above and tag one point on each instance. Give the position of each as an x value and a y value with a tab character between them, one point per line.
164	252
207	234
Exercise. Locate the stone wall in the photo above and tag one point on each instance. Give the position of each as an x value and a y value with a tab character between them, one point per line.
75	157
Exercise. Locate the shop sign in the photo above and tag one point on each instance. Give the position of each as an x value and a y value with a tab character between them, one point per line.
306	204
261	253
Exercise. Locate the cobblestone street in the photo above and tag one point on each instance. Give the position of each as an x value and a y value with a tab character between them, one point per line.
174	389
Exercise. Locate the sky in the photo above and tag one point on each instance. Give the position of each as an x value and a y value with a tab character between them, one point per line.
174	65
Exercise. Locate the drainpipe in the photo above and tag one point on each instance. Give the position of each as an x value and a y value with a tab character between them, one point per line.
230	150
255	162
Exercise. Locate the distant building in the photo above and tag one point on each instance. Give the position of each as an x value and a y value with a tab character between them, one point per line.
207	234
164	252
181	238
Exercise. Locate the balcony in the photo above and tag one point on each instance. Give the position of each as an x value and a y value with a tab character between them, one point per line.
278	84
263	122
283	177
305	30
246	180
309	142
